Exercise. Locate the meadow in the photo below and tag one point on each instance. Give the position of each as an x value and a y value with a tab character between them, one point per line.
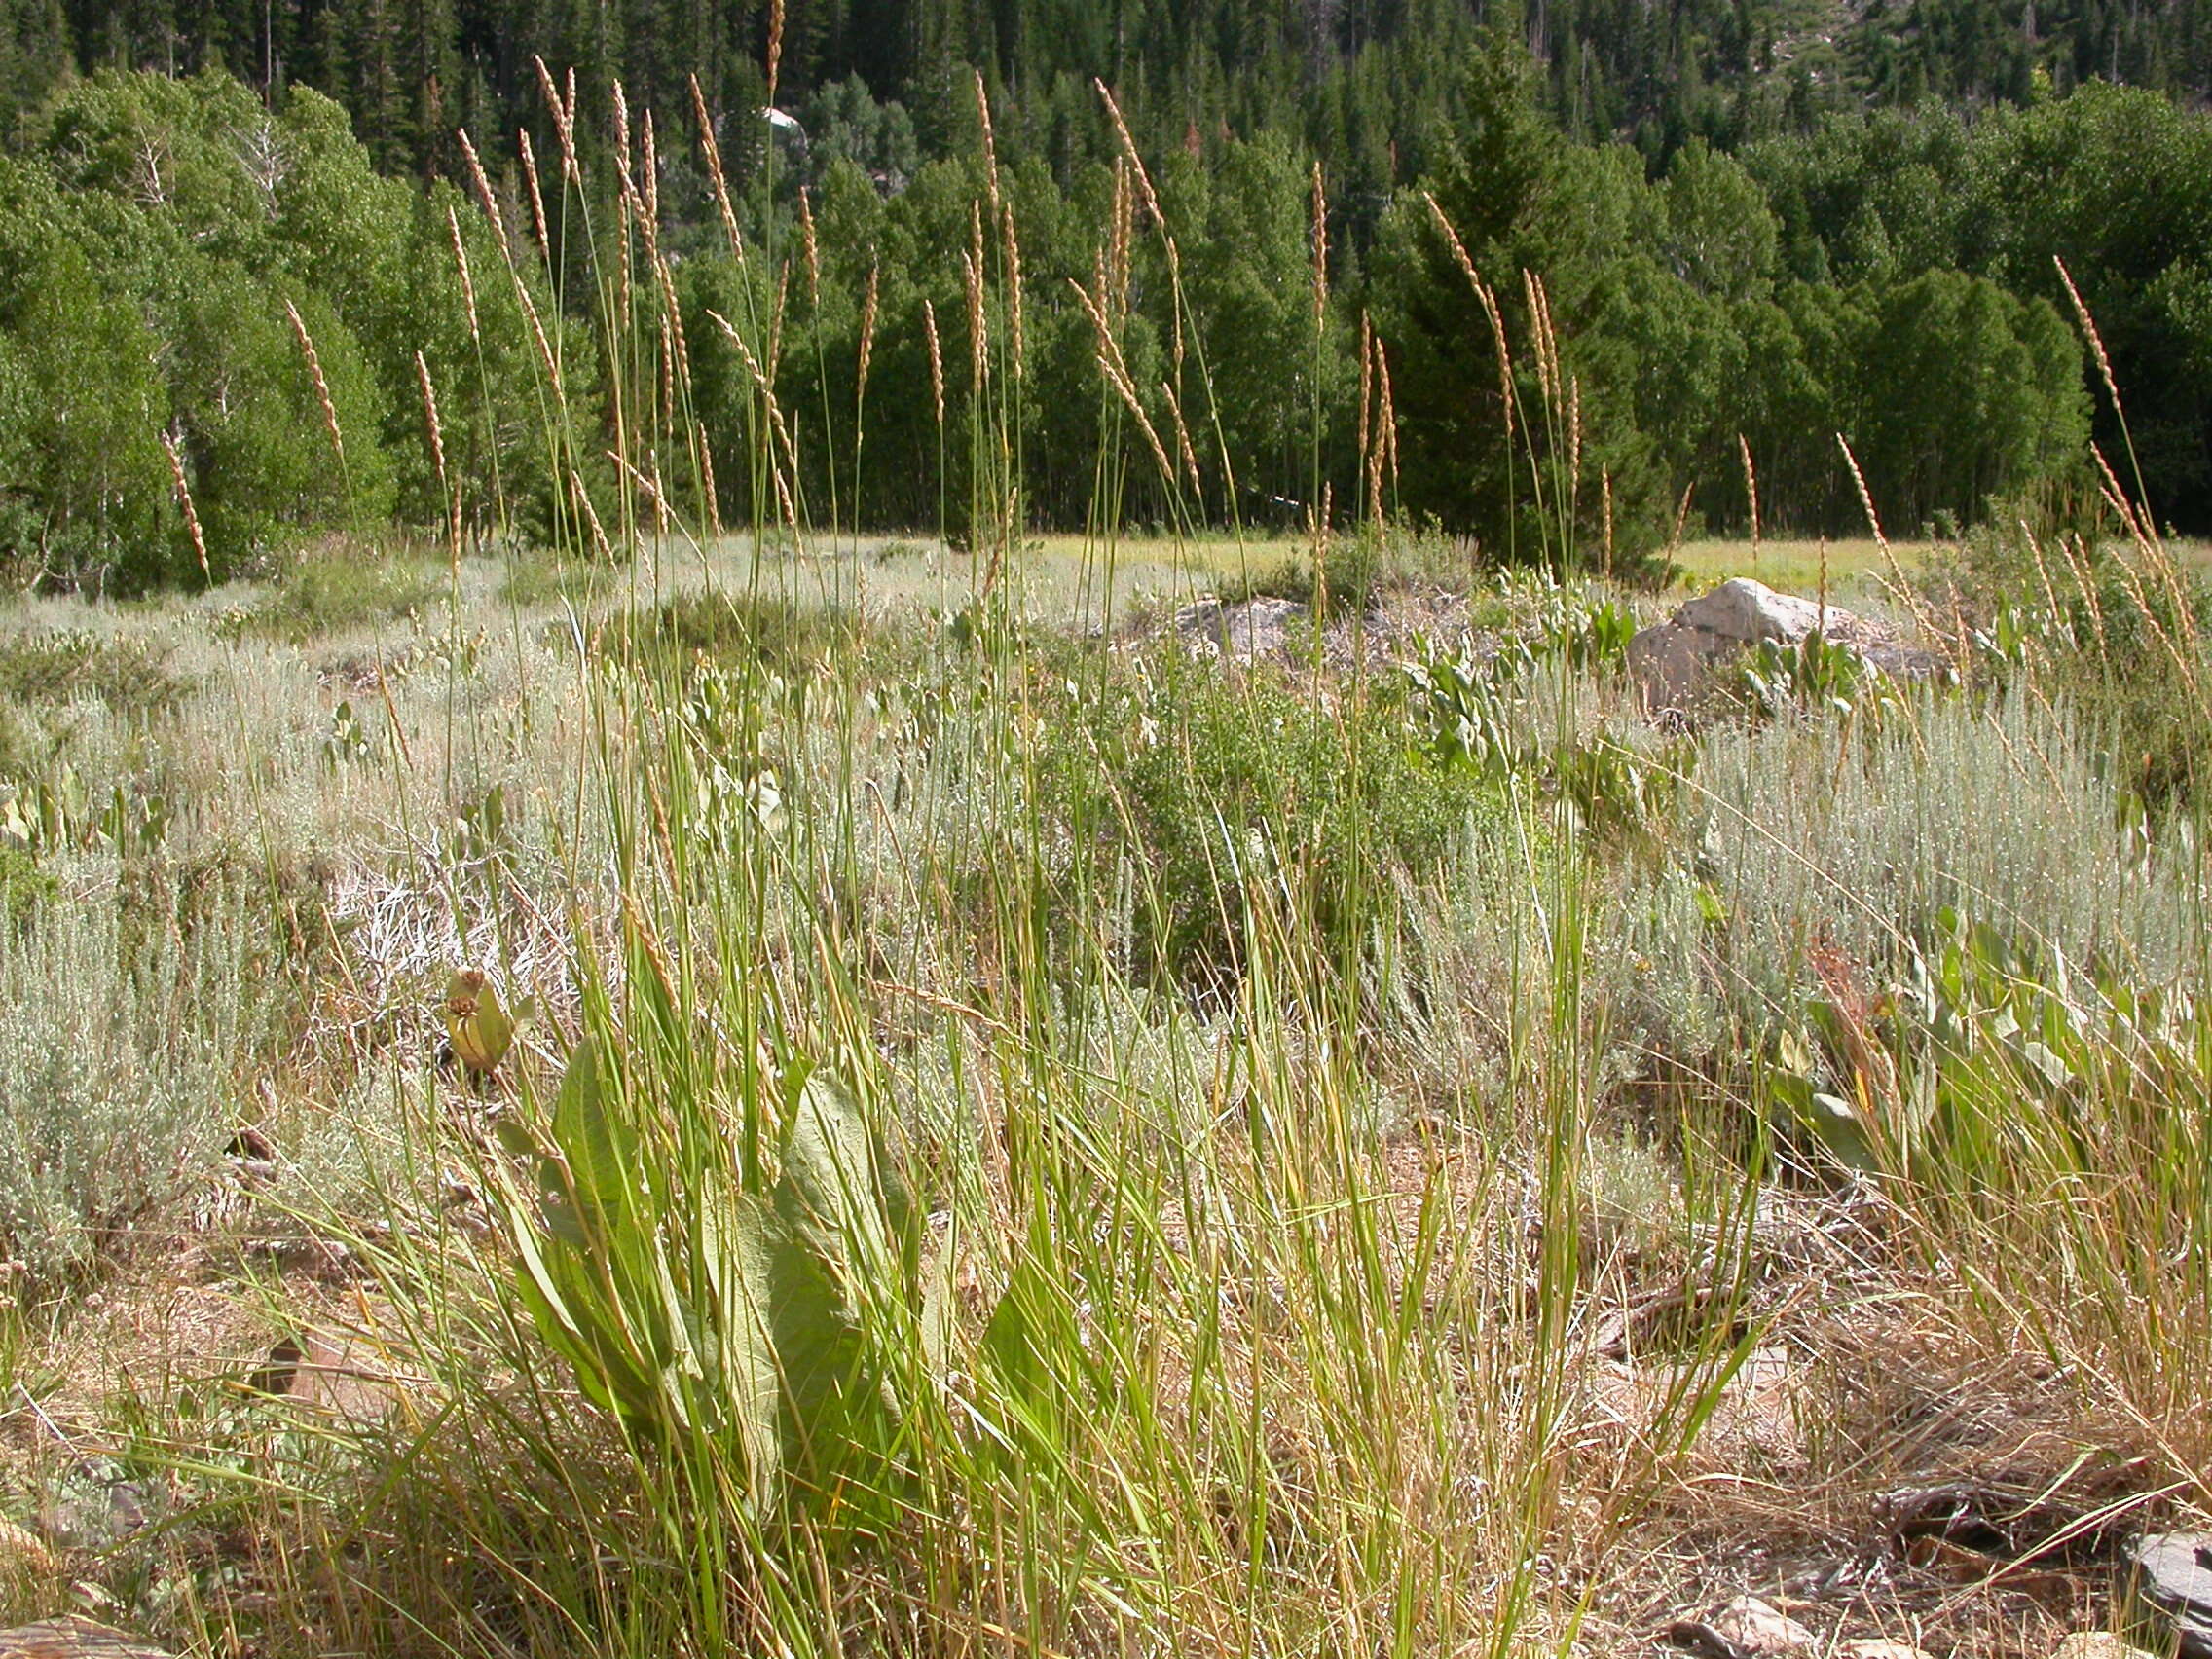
1084	1147
604	1087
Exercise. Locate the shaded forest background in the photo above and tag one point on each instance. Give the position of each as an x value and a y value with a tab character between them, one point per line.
1760	223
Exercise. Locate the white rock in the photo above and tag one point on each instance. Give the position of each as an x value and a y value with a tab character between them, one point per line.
1750	611
1880	1648
1672	660
2098	1645
24	1548
1244	633
1760	1627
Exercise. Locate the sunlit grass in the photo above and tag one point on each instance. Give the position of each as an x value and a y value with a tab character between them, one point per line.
1795	566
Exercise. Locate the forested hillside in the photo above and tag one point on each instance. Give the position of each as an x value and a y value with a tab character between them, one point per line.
1369	83
1756	227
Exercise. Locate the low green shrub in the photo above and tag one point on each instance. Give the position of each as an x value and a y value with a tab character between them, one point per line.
131	672
776	631
337	593
1209	792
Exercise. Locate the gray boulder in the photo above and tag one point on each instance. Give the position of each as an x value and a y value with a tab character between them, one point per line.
2171	1577
1675	661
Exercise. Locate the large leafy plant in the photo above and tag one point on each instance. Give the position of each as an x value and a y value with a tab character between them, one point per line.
770	1314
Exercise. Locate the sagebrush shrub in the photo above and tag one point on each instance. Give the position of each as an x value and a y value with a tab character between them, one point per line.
121	1040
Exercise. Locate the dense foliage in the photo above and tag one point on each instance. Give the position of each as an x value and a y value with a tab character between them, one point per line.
196	283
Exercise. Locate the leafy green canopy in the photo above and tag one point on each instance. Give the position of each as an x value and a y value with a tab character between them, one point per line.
165	247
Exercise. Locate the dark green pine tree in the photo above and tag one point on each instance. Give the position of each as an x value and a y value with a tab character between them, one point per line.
361	70
428	70
34	60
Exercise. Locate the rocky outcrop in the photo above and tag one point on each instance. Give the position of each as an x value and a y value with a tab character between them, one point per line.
2170	1574
1675	661
1244	633
73	1638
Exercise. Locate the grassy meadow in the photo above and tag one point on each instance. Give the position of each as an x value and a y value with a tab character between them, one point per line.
628	1089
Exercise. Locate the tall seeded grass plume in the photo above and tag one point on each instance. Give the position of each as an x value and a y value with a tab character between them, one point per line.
658	1068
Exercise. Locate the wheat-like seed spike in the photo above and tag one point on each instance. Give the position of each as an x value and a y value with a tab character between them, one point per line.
430	418
1866	495
1451	237
1129	395
591	515
1533	295
667	357
184	502
1390	409
1013	294
2077	564
1551	333
937	360
2142	533
2043	569
1750	490
810	248
564	115
1183	437
1681	518
622	139
625	203
1121	234
714	501
2090	329
775	46
1505	396
1129	149
1574	441
448	491
2117	498
867	325
484	195
2134	584
762	379
2161	560
1109	348
1605	489
1320	249
315	375
714	154
990	143
536	196
1117	372
648	194
978	344
467	278
1489	301
1889	556
674	315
